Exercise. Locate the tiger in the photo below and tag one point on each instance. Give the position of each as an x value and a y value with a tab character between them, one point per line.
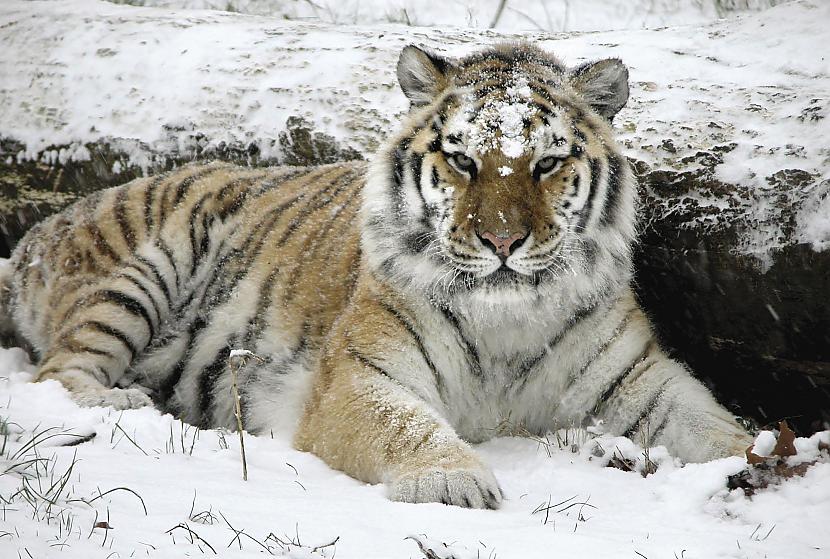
478	268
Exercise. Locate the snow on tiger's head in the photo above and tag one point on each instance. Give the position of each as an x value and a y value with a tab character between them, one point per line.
505	176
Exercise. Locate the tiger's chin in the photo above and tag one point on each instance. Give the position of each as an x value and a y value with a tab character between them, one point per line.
503	286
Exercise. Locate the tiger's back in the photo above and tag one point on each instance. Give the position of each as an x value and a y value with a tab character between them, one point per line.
203	259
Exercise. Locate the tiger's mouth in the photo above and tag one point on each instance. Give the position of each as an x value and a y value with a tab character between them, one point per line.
504	274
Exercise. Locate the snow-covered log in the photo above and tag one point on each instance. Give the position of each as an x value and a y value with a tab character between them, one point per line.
726	128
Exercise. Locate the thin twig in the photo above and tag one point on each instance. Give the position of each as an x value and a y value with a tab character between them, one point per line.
497	15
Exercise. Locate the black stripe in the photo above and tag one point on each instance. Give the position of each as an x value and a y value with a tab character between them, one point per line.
149	199
647	410
130	304
91	372
452	138
156	279
542	108
207	383
168	385
77	347
93	351
416	165
367	363
162	244
435	177
184	186
435	144
145	291
195	252
101	244
587	210
615	335
528	365
612	200
617	382
398	158
471	352
108	330
123	221
576	186
419	343
655	435
264	299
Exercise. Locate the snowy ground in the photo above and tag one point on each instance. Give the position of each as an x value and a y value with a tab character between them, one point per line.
156	474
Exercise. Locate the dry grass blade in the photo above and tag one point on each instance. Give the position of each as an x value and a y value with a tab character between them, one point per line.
105	493
191	534
237	358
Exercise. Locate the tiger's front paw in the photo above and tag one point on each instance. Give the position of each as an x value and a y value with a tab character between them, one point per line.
118	398
470	487
87	392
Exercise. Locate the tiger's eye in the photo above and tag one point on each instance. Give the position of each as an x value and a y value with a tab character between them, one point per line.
462	160
546	163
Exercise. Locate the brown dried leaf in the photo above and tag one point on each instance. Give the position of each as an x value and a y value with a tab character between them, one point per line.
752	458
785	446
103	524
786	471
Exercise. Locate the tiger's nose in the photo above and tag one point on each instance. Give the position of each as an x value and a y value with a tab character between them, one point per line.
502	245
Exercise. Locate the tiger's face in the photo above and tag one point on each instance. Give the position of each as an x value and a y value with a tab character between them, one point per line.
506	174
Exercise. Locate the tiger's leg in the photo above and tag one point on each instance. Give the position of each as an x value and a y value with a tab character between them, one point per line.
89	291
97	282
102	325
638	391
662	403
366	426
365	419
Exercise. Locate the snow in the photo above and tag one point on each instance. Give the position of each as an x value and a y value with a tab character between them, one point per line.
518	15
189	479
499	123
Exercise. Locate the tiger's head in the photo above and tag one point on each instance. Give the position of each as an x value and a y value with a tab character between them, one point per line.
505	178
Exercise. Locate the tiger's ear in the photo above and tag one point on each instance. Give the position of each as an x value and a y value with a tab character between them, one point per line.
422	75
603	84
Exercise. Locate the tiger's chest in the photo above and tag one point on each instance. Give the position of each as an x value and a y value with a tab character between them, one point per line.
502	376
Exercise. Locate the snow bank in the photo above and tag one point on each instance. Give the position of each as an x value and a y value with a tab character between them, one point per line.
751	92
166	489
